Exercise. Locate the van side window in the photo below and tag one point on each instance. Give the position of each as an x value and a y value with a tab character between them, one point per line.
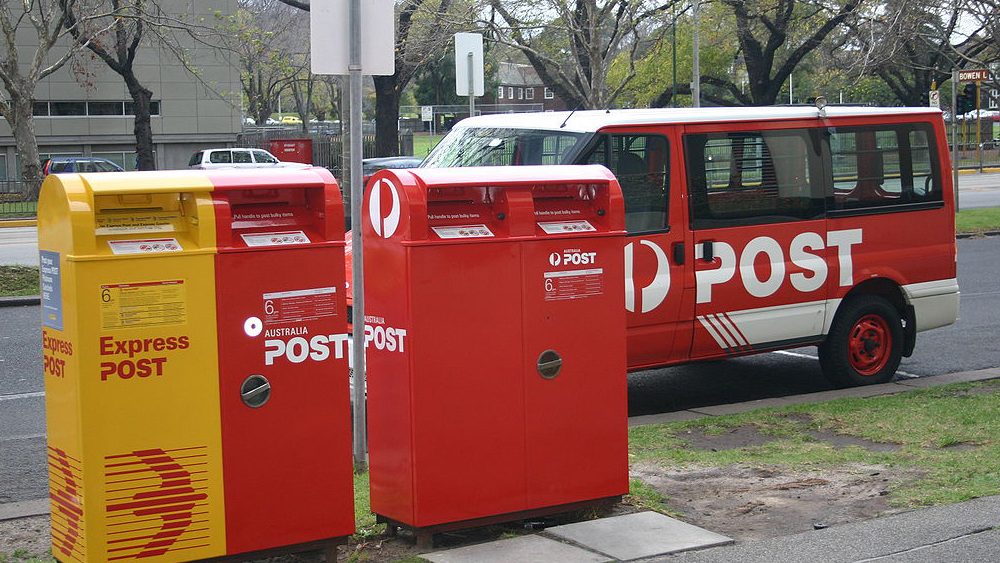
748	178
242	157
883	165
642	165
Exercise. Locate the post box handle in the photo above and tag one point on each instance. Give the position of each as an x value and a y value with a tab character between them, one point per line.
549	364
255	391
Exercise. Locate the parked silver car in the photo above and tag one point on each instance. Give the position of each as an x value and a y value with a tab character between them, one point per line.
238	158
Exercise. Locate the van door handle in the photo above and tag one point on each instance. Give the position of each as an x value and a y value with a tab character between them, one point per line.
678	250
708	251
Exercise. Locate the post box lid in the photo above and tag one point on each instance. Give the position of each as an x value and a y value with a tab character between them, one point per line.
501	176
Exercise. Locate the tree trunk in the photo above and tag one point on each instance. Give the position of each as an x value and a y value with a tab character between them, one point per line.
141	97
23	127
386	116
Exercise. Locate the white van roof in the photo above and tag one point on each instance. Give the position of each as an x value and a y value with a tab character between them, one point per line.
593	120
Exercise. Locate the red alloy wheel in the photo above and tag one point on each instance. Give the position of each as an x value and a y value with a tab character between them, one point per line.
869	345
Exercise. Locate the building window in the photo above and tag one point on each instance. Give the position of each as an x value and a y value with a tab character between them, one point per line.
154	108
529	93
67	108
549	94
93	109
520	93
500	93
105	108
510	92
125	159
3	167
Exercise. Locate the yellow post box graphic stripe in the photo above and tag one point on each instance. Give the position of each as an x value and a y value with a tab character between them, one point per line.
131	366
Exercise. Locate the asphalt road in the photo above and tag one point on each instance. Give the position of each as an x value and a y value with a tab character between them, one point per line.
969	344
19	245
978	190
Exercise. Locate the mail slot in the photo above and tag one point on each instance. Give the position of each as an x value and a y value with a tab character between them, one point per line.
495	334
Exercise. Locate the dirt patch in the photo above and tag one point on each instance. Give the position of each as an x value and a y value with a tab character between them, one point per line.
749	503
26	535
735	438
843	441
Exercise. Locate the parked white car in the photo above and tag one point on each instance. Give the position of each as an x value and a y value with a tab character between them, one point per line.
238	158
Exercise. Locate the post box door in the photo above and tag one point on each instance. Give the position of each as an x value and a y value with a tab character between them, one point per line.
575	381
285	414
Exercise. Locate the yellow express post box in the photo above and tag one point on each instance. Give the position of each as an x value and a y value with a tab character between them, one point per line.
131	366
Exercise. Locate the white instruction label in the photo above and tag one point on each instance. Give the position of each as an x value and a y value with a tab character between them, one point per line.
276	239
463	231
144	246
574	284
561	227
300	305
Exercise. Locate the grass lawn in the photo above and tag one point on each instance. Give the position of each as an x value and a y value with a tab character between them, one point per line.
423	143
18	210
978	220
947	437
18	281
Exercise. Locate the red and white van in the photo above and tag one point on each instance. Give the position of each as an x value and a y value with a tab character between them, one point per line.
759	229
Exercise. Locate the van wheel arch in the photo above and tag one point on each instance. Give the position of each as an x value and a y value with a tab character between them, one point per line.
890	291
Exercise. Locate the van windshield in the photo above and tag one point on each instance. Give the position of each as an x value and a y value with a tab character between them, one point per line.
500	146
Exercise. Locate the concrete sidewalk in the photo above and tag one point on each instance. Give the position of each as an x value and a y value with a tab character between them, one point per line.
968	531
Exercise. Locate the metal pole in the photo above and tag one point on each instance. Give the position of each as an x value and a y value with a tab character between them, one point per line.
472	92
954	134
673	68
979	124
695	62
358	278
791	89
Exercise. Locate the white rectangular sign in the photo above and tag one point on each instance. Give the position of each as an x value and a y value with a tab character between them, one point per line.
330	37
466	43
426	113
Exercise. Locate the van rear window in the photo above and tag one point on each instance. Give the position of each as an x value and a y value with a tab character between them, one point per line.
884	165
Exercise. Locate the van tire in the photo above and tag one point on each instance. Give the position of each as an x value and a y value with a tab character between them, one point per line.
865	343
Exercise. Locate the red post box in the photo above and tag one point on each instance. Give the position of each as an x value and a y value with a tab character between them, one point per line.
495	334
283	353
292	150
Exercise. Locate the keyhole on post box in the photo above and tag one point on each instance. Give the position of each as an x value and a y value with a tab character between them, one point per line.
549	364
255	391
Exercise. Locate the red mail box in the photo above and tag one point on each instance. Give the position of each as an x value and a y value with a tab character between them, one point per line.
292	150
495	334
283	350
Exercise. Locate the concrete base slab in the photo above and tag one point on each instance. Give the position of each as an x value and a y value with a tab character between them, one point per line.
635	536
13	510
524	549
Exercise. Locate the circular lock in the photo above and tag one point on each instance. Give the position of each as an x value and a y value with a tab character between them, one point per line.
549	364
255	391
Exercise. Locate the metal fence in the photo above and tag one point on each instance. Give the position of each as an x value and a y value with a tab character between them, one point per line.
18	199
327	145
